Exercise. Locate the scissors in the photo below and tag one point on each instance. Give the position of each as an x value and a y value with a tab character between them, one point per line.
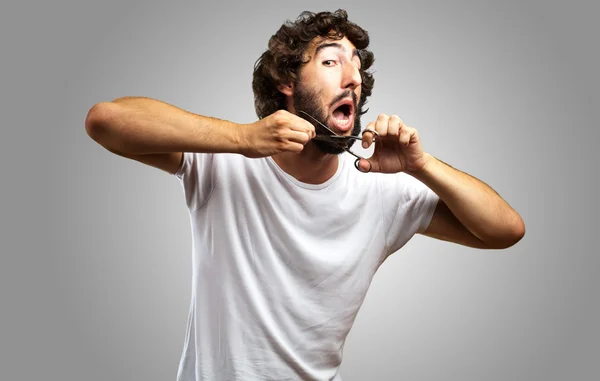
343	141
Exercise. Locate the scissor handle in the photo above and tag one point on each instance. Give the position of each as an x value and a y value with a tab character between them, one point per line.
360	170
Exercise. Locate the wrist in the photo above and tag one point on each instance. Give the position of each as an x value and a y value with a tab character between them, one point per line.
242	138
425	169
238	138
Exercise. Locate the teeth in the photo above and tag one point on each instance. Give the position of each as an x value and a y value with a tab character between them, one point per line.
342	122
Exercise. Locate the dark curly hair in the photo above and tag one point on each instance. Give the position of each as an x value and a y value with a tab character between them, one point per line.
280	63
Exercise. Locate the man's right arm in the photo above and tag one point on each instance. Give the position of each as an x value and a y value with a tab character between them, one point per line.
157	133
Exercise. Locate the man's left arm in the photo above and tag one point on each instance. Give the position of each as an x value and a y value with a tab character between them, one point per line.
469	212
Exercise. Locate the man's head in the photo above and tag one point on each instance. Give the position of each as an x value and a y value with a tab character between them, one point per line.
318	64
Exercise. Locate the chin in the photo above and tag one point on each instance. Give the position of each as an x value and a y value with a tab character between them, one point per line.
328	148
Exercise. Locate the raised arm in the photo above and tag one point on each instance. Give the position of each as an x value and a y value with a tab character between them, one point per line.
469	211
156	133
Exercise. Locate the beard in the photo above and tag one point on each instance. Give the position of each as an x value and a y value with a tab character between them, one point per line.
308	101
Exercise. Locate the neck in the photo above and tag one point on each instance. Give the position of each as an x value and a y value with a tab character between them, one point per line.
310	166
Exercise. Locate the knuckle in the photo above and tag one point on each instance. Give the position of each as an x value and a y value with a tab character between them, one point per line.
292	147
281	146
279	117
278	135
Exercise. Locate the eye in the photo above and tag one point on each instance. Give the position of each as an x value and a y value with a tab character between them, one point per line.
329	62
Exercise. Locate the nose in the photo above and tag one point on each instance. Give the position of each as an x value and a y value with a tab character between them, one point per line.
352	78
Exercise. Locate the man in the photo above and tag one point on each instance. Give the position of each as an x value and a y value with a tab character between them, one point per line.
287	233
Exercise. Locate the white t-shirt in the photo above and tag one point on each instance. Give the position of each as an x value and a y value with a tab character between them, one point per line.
281	267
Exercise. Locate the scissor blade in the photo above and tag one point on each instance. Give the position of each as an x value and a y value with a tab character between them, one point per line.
333	138
342	141
345	137
316	120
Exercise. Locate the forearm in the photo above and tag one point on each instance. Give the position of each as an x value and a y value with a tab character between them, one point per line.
137	125
475	204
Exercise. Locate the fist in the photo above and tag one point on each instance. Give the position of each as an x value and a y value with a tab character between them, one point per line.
279	132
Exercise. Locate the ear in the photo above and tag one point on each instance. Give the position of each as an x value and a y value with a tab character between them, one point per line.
287	89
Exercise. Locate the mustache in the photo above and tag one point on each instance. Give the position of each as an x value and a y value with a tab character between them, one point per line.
344	95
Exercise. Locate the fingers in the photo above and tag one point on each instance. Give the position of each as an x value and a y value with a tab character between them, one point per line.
295	147
380	126
368	136
367	166
298	137
285	120
292	141
302	125
296	132
405	135
394	125
390	127
404	132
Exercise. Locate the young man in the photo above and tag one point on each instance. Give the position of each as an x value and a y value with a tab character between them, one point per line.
287	233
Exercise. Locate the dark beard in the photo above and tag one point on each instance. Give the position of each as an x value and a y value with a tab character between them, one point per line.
307	101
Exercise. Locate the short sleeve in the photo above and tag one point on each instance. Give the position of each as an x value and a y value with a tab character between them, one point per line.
408	206
195	175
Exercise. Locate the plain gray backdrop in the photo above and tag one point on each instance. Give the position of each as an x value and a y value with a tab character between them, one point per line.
95	276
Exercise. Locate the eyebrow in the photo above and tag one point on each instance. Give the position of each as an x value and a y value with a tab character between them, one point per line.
335	45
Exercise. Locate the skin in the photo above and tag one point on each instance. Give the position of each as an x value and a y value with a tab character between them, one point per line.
155	133
469	212
329	73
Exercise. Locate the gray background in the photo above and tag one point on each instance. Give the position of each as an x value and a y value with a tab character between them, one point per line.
95	270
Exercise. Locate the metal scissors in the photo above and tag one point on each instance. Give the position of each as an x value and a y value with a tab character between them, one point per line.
343	141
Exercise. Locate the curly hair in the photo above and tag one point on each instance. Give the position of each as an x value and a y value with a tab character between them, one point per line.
280	63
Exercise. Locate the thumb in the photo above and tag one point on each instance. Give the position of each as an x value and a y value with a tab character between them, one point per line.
366	166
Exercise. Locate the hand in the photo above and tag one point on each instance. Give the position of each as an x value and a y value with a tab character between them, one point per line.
279	132
398	147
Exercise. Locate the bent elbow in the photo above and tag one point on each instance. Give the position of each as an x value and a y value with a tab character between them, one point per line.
93	120
96	121
515	234
508	238
518	231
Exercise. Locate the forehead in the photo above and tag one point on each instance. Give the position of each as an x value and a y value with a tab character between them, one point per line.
321	42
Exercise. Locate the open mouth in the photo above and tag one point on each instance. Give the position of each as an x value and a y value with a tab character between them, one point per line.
343	116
